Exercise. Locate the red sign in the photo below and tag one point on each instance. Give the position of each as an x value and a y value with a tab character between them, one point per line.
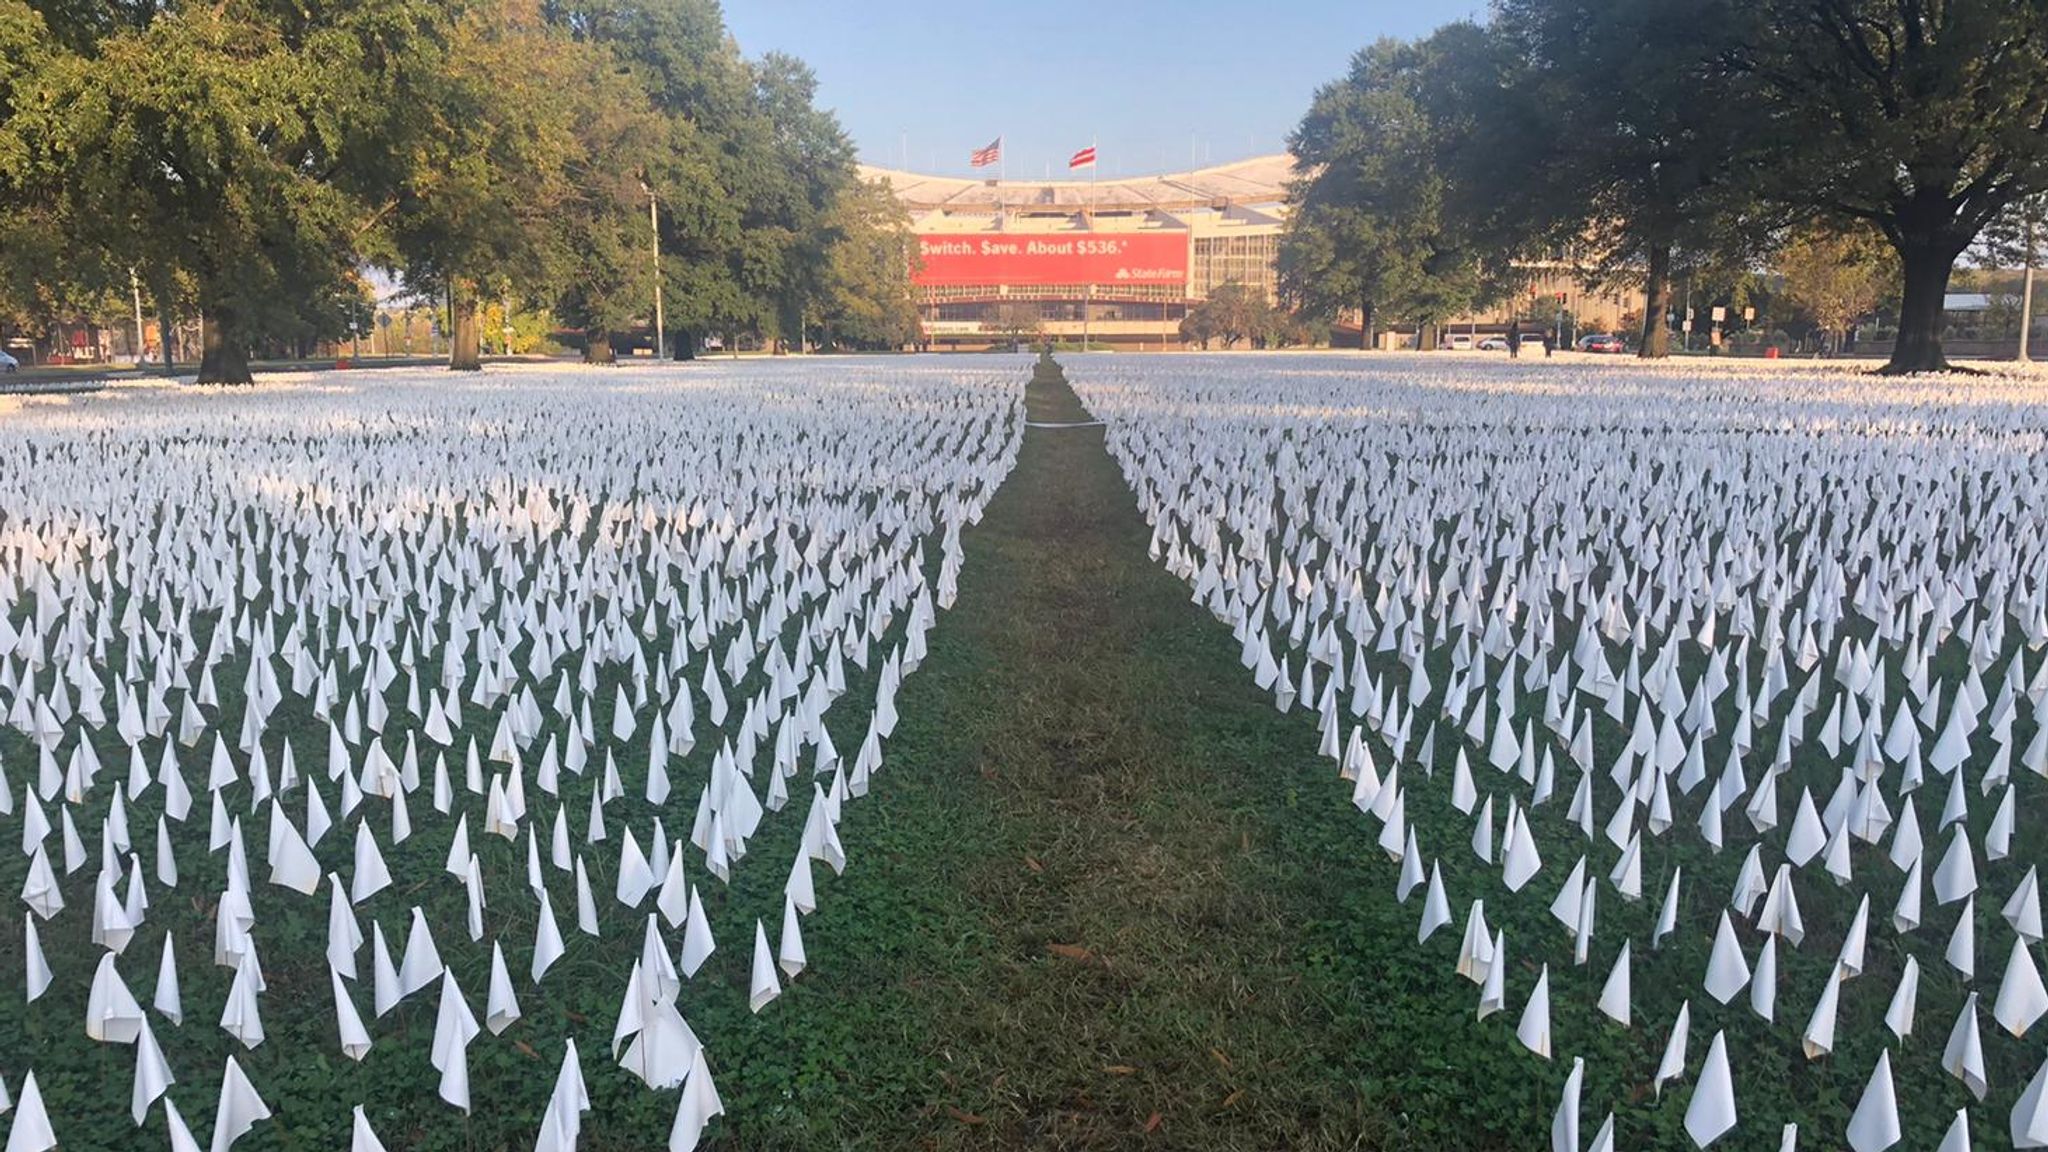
1036	261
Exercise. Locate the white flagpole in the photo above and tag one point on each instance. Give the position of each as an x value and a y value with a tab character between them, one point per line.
1088	296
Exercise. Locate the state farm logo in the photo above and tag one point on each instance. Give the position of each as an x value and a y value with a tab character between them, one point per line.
1174	274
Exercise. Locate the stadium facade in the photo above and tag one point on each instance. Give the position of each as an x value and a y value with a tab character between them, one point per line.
1122	260
1119	259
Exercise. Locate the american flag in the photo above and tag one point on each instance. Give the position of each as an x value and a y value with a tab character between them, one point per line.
983	157
1085	158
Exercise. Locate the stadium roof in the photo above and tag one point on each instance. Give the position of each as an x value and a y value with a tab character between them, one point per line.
1259	180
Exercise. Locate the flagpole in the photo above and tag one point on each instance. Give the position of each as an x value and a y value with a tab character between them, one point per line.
1088	293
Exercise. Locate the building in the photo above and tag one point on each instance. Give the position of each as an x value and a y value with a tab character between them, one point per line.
1119	260
1002	259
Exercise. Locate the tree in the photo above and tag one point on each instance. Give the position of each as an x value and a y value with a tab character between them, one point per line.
1014	320
1617	134
250	159
1926	120
748	176
1370	229
812	165
867	298
693	77
484	169
1232	313
243	146
1836	276
602	259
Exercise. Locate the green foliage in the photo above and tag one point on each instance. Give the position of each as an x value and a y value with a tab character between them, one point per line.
1623	151
1645	140
1014	319
1235	313
1371	229
1924	120
249	159
234	143
1836	276
868	299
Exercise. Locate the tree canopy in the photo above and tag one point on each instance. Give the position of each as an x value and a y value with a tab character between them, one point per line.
249	161
1234	314
1928	121
1630	139
1373	229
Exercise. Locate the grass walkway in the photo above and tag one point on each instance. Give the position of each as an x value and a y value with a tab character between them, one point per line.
1104	896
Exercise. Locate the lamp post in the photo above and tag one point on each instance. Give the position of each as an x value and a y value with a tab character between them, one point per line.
654	230
136	288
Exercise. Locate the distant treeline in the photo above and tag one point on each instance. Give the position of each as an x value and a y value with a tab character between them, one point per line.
1647	140
248	161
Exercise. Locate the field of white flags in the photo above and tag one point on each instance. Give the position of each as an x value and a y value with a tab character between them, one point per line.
1696	719
398	760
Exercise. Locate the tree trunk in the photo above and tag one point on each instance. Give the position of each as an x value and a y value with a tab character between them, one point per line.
684	346
464	354
224	349
1926	264
1365	325
1425	336
597	347
1656	341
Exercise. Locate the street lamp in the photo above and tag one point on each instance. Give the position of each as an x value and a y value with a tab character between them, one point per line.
654	230
136	288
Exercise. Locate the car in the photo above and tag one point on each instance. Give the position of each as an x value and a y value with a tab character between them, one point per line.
1533	339
8	363
1494	344
1458	342
1603	342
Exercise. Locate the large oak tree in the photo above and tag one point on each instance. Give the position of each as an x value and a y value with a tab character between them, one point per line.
1925	118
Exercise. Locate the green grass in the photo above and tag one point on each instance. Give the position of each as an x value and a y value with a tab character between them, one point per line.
1105	896
1101	895
1775	1082
1114	883
299	1070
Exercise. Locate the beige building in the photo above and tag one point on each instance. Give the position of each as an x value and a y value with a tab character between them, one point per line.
1120	260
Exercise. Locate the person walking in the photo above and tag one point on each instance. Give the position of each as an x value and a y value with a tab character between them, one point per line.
1514	339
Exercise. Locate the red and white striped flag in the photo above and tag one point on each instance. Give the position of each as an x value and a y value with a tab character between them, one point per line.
1085	158
993	154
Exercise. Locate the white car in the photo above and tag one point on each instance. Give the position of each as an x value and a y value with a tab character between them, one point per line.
8	363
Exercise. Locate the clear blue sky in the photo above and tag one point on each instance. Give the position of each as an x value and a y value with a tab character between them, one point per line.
1153	83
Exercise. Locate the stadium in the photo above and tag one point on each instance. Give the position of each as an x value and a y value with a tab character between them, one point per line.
1117	261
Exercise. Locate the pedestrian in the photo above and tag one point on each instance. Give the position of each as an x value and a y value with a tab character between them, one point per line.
1514	339
1549	343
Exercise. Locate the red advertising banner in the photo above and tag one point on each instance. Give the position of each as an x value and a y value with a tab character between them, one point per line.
1137	258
